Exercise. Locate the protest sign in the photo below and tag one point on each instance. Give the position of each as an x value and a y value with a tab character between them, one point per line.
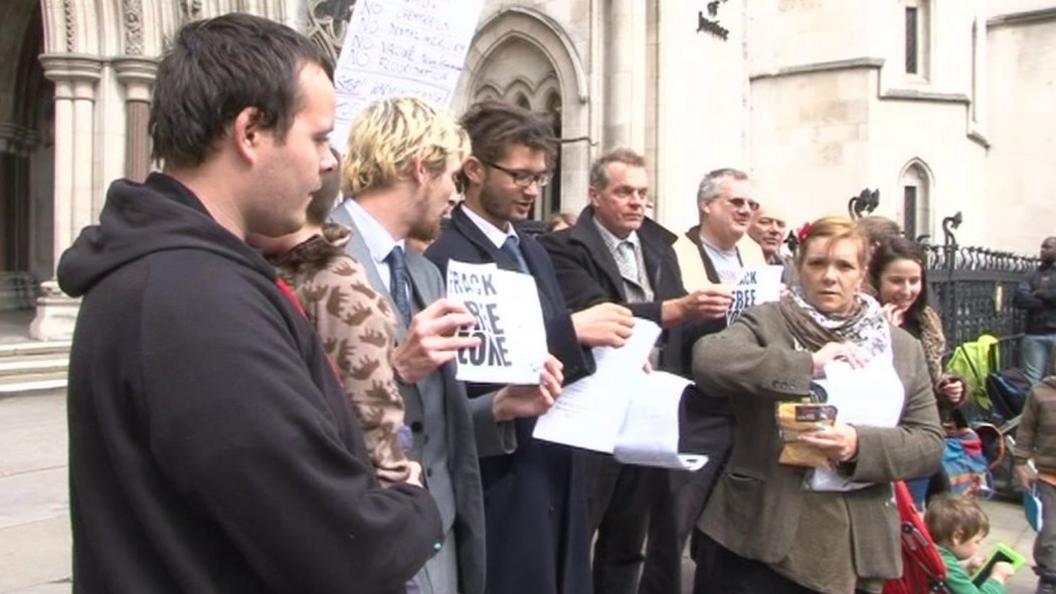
396	48
509	324
754	285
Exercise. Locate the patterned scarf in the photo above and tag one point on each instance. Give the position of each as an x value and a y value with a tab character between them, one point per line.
865	326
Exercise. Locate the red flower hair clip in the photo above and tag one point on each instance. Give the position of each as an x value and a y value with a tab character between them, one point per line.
803	232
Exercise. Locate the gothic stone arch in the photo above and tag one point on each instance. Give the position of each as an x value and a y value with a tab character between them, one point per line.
521	33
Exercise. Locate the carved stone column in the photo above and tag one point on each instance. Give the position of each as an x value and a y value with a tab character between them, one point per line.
137	74
626	75
75	77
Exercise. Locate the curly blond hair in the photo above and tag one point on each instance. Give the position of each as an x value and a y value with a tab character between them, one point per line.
389	135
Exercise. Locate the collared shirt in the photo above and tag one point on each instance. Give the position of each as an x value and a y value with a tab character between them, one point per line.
494	234
378	240
636	293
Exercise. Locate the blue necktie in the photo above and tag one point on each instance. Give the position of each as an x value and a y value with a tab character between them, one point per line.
511	249
399	282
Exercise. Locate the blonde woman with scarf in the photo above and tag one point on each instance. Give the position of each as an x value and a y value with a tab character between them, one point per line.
832	527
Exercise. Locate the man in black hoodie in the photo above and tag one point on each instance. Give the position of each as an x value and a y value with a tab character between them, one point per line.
211	447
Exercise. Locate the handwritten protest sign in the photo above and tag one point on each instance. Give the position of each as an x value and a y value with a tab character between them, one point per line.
509	323
754	285
396	48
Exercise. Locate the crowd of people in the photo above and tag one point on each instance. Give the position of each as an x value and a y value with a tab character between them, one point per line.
262	382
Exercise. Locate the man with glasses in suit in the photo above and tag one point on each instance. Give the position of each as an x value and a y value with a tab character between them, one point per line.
538	534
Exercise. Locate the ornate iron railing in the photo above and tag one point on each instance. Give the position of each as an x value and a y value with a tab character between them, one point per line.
973	287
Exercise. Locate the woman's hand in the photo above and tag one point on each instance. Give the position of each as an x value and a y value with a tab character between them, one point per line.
839	442
894	314
852	354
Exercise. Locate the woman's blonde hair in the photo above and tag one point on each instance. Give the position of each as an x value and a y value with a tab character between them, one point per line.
834	228
388	136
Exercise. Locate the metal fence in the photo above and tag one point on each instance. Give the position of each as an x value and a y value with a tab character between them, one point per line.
972	288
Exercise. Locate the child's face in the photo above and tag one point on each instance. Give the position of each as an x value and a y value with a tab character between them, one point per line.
965	548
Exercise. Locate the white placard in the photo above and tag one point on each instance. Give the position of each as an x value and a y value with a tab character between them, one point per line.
396	48
620	409
509	323
755	285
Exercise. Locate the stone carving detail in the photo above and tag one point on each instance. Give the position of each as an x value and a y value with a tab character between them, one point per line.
133	27
191	9
71	24
327	24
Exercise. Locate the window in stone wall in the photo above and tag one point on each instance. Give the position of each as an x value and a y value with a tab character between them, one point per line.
916	203
917	41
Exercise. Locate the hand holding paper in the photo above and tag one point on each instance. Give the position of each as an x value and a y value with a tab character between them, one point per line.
838	442
707	304
431	340
605	324
513	402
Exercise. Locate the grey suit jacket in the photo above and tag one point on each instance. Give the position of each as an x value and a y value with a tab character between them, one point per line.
755	508
460	421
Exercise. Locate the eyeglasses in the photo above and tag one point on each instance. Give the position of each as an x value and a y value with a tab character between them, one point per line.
740	203
522	179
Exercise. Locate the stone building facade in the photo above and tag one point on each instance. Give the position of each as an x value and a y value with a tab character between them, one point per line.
942	105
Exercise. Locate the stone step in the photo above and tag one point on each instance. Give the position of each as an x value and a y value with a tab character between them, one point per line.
33	364
31	383
33	347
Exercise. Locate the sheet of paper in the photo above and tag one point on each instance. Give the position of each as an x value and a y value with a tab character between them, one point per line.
754	285
649	435
590	412
396	48
873	396
509	324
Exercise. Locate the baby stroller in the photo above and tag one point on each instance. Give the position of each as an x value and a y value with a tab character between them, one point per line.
992	408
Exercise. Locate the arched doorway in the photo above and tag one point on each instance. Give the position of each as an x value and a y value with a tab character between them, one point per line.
26	157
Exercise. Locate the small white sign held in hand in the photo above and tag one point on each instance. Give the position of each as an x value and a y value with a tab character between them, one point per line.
509	324
755	285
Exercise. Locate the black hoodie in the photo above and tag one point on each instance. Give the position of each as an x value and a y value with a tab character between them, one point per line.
211	447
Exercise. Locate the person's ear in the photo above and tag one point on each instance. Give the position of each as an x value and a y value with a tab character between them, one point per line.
420	172
594	196
958	538
246	133
473	169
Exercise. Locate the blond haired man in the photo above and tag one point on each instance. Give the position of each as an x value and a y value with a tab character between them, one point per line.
399	175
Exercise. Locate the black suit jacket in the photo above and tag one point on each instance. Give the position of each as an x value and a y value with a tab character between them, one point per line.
588	275
535	499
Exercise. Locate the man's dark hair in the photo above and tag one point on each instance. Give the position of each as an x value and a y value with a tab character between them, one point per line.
493	125
217	67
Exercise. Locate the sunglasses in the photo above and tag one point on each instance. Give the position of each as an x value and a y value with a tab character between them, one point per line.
740	203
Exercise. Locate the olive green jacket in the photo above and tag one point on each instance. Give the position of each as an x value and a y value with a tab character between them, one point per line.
756	504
